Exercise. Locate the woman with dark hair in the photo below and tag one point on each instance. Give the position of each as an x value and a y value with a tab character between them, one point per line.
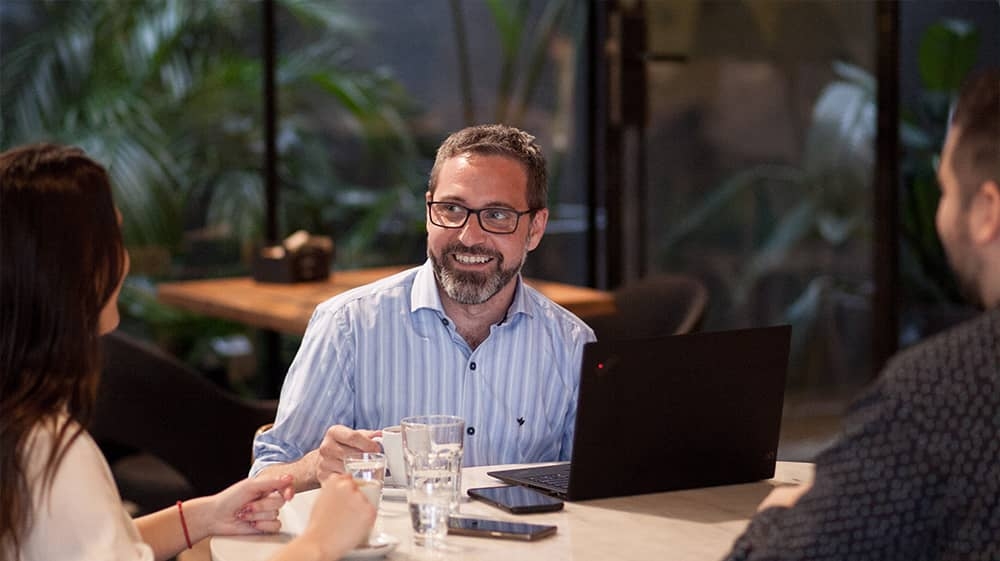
62	263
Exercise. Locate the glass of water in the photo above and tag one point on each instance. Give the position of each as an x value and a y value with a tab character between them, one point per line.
368	471
432	451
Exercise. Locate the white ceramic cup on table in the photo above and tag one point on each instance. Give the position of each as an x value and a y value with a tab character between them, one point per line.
392	447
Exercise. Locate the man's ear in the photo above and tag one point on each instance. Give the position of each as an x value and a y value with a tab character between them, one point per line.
984	219
538	222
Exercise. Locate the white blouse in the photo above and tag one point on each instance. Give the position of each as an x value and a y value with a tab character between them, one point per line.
81	516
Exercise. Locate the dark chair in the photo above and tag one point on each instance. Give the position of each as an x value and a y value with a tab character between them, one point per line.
168	432
661	304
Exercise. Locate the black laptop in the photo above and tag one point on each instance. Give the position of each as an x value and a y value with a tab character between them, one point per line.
672	412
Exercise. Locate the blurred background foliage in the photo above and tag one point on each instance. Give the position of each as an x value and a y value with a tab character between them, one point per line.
158	90
168	95
765	195
801	228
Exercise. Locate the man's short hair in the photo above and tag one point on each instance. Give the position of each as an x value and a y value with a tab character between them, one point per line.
498	140
976	156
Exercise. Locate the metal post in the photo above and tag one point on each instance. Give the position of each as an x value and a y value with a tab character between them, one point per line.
270	126
885	304
270	340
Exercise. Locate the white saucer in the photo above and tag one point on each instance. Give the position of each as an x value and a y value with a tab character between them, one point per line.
378	546
396	494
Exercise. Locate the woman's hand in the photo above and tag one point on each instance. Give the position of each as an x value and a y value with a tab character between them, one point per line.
341	517
250	506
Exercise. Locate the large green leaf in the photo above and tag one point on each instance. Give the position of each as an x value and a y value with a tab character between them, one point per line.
327	15
841	136
792	228
948	51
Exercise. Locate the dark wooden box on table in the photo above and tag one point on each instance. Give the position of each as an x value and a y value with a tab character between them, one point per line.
307	260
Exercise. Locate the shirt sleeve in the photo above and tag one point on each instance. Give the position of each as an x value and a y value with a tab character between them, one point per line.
877	494
317	393
81	516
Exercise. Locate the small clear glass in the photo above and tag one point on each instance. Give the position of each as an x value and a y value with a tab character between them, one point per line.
368	471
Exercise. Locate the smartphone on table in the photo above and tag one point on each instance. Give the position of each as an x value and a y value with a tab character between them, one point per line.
516	499
481	527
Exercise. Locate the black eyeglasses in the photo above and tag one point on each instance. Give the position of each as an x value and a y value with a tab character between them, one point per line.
493	220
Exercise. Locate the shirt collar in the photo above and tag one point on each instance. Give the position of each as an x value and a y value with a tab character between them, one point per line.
424	293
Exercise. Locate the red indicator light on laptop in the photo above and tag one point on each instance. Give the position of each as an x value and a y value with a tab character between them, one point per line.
600	366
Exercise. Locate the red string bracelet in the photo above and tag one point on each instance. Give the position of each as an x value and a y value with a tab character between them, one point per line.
187	537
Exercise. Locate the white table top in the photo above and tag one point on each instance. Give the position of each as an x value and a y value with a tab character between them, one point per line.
698	524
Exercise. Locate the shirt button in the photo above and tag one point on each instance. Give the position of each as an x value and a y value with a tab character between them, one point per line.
444	321
472	366
470	431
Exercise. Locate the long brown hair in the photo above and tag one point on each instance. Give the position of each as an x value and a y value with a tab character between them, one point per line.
61	258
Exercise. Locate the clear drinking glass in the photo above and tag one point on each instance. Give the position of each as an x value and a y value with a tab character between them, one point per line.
368	471
432	450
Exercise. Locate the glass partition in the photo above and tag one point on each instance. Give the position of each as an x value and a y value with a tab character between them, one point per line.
759	166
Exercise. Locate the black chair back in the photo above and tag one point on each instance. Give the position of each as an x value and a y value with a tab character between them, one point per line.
151	402
661	304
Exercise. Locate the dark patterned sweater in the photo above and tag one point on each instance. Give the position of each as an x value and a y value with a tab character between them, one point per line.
916	473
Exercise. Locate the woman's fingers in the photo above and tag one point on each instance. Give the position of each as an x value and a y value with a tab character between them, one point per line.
267	526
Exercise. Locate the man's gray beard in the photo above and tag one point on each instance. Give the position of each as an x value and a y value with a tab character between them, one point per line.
466	287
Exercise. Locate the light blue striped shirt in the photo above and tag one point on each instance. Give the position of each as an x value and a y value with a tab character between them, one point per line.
384	351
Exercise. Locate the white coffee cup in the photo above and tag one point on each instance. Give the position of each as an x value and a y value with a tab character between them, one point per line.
392	447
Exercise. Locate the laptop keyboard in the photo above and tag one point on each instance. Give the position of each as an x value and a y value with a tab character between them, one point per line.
557	480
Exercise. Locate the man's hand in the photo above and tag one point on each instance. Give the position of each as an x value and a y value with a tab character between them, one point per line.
338	442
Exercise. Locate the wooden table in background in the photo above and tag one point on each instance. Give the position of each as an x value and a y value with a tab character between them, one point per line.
287	307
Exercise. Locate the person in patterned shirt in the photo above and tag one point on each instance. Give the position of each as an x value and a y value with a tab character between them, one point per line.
916	473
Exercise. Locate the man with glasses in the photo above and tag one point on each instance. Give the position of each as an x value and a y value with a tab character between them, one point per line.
459	335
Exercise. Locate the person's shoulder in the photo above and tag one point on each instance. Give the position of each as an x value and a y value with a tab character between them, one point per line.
393	286
62	435
965	341
556	316
49	432
968	350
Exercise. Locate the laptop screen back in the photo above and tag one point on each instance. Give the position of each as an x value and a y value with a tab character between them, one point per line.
678	412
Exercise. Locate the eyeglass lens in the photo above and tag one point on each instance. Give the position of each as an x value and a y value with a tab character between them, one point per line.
496	220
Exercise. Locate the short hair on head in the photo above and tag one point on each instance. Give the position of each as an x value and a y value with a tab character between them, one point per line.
498	140
976	154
